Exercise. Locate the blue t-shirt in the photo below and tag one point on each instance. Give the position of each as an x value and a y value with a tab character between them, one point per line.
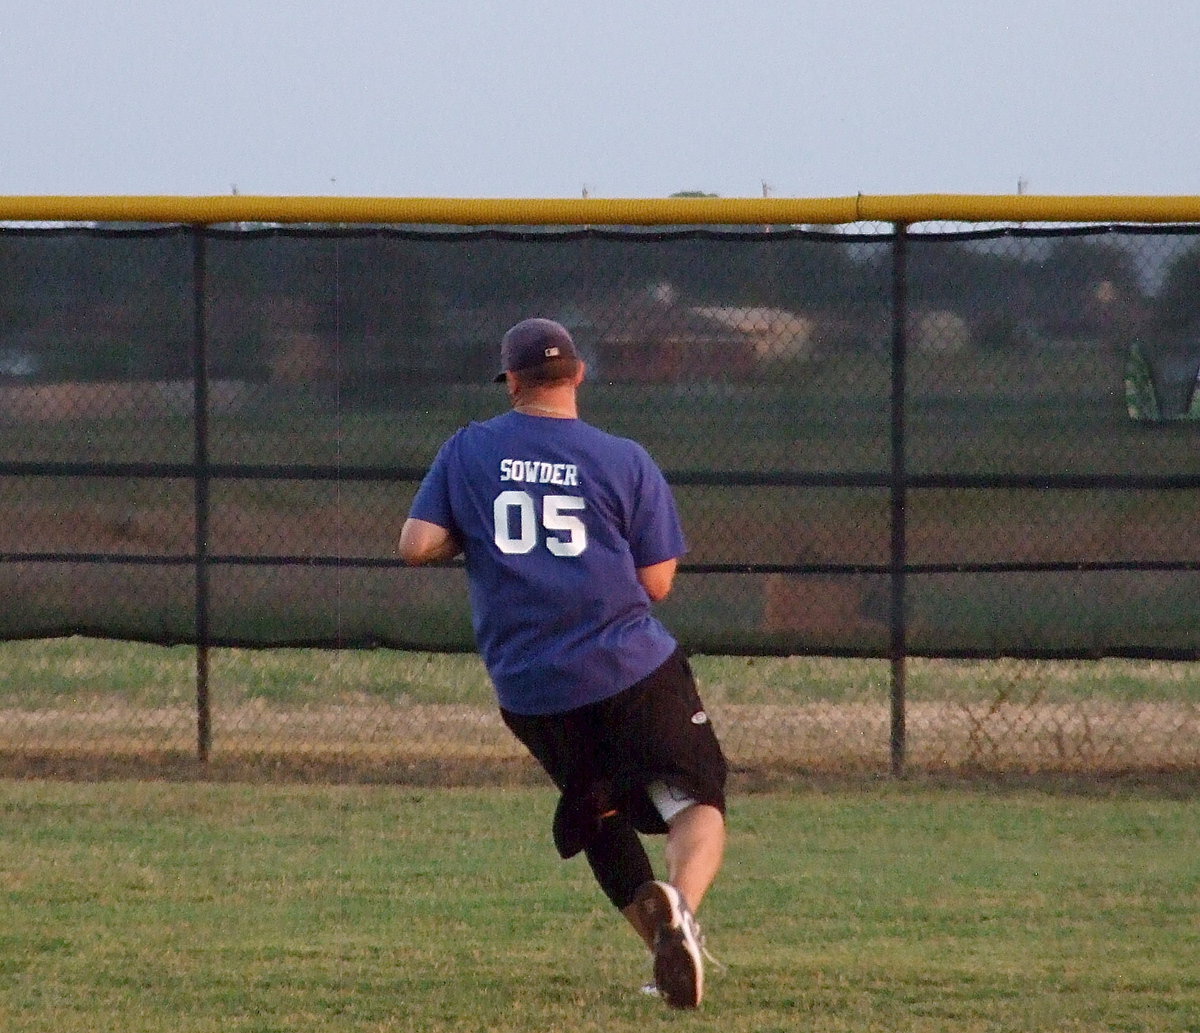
555	516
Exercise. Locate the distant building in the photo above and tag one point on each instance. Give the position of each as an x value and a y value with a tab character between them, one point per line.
650	338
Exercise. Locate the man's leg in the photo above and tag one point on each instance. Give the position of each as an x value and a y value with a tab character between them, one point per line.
663	912
695	849
620	865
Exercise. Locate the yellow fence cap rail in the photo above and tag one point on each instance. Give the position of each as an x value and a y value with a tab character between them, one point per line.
675	211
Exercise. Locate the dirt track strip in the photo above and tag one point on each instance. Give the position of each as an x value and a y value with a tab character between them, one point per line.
1081	737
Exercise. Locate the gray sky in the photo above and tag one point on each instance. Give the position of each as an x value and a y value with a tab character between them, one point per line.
626	98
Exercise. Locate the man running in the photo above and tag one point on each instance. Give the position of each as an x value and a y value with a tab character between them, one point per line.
569	535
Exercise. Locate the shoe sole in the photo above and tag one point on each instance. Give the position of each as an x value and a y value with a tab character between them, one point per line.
678	970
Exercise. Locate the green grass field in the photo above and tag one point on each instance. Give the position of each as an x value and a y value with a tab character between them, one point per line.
60	672
147	906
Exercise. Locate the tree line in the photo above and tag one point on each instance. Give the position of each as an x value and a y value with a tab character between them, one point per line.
94	302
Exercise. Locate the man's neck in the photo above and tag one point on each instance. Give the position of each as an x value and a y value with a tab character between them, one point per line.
555	404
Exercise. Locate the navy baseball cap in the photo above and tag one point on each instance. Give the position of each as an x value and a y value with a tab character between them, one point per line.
532	342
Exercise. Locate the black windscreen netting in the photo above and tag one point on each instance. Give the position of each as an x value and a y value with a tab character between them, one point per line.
1022	416
1046	455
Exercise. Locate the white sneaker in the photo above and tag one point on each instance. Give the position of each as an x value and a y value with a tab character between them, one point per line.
678	950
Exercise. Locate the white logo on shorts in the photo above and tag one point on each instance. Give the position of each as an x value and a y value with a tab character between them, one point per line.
699	718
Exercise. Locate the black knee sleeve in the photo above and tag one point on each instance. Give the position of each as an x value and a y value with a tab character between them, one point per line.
618	860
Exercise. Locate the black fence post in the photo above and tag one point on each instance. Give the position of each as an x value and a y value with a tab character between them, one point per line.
898	646
200	483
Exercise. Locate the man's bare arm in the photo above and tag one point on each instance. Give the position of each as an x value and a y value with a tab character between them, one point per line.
658	578
422	542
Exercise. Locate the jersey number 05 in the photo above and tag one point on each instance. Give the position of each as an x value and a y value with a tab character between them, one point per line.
518	527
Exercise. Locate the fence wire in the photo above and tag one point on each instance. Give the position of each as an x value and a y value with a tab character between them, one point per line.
954	445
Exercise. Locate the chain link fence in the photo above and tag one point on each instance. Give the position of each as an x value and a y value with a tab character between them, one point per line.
930	480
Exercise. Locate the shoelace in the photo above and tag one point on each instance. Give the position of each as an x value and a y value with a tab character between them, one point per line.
716	963
698	936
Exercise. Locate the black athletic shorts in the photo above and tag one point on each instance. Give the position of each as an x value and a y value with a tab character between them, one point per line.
656	730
